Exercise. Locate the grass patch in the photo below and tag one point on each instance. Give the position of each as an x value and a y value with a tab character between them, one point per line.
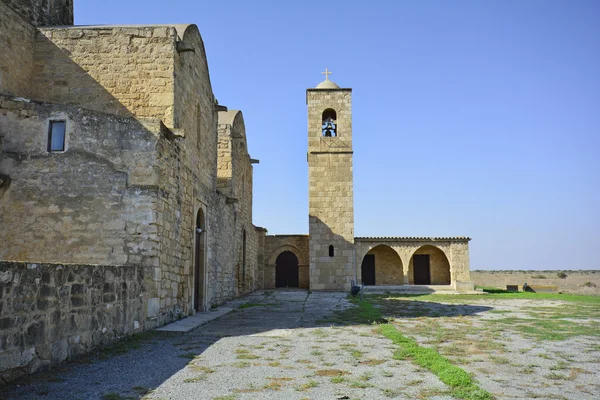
195	379
308	385
331	372
360	384
243	354
458	379
372	362
338	379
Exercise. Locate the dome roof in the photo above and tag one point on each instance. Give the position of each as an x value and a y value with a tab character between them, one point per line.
327	84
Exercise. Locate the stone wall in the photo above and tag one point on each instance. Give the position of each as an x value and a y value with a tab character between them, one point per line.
93	203
277	244
331	196
53	312
235	182
16	47
128	71
44	12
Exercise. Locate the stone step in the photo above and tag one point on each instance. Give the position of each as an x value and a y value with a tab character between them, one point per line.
418	289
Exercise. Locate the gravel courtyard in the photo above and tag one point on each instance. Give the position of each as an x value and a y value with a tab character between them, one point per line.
301	345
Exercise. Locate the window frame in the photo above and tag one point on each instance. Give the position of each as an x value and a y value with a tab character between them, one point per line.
51	123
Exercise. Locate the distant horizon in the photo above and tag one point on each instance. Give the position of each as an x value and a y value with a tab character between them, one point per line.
475	119
536	270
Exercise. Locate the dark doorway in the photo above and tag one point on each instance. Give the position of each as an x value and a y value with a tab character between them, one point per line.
368	270
286	270
421	269
200	246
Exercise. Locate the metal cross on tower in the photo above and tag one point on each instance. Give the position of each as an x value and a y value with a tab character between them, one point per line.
326	73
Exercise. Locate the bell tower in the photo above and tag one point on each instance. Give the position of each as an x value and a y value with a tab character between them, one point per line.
330	194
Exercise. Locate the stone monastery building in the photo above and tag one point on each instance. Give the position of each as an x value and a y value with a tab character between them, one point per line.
126	191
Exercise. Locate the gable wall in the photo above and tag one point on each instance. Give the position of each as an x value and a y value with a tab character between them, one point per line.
16	47
122	71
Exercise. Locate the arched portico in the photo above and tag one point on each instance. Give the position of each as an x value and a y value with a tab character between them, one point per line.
448	258
429	266
381	266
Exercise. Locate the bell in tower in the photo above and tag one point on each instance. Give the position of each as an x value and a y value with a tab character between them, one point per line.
329	125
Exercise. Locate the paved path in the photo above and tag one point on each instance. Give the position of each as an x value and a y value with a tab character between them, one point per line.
273	347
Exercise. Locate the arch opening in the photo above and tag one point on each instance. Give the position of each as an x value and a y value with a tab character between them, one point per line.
199	262
286	270
429	266
329	126
382	266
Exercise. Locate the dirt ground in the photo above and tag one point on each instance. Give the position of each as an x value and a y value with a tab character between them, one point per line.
302	345
582	282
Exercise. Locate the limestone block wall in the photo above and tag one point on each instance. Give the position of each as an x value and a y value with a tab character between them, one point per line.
340	100
331	192
93	203
44	12
194	107
459	257
16	47
235	181
127	71
277	244
53	312
261	239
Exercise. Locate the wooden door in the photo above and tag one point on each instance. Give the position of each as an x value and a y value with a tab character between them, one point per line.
421	269
286	270
368	270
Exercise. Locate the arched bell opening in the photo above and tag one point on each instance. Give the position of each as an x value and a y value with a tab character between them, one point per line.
329	127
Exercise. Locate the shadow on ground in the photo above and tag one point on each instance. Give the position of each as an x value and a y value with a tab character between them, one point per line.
132	367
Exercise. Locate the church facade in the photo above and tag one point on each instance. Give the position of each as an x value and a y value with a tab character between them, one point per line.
126	191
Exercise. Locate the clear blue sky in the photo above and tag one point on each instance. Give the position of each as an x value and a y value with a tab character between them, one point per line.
471	118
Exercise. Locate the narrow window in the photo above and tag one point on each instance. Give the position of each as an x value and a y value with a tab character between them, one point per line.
329	123
56	136
198	127
331	251
244	256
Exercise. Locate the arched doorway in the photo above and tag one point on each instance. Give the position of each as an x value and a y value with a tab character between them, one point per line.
429	266
382	266
286	270
199	260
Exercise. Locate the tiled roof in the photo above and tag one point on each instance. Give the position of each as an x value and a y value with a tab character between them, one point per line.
413	238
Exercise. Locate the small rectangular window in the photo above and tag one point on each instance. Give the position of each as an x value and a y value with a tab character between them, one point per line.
56	135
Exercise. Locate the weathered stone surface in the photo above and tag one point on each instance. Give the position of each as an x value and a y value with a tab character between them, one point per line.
331	191
44	12
32	337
